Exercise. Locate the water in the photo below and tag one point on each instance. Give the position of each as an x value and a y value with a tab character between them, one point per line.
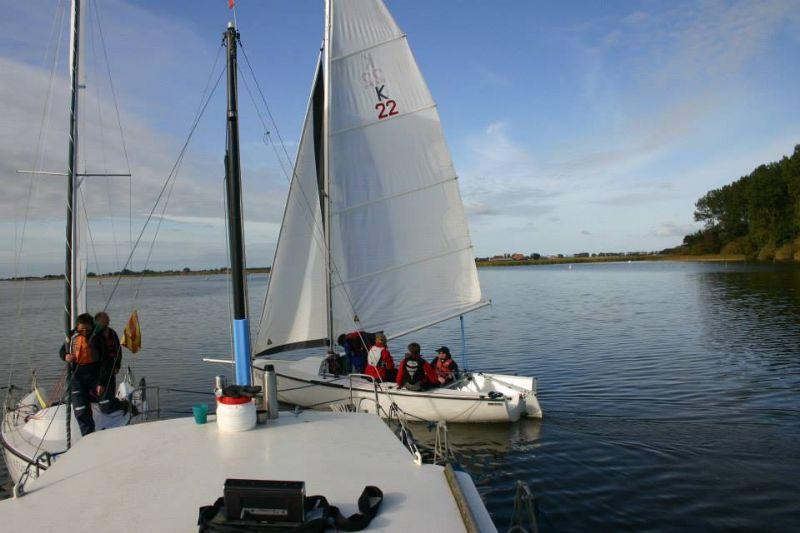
670	390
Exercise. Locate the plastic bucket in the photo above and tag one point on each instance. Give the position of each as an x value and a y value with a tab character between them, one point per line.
235	414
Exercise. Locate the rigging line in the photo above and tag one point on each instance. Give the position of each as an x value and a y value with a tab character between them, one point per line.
101	129
200	109
166	185
266	128
43	127
91	242
264	99
119	124
54	44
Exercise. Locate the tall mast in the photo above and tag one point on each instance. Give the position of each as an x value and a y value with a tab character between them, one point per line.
233	190
326	200
71	267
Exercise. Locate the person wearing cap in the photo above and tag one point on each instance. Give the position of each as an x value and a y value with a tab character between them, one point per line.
445	367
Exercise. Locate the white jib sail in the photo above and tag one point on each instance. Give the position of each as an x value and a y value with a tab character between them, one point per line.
294	313
400	245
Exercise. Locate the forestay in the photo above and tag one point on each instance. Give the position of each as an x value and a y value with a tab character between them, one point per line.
401	256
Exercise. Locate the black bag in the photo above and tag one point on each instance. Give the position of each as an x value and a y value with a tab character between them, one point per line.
320	515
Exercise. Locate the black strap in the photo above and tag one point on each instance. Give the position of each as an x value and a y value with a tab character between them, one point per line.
212	518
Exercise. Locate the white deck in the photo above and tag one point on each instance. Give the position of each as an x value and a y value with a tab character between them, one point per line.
155	476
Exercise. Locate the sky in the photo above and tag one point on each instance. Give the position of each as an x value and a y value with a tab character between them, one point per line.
574	126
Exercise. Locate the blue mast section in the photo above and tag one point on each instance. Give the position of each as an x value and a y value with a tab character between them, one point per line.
233	197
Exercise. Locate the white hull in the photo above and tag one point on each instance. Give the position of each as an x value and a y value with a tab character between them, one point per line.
37	437
469	401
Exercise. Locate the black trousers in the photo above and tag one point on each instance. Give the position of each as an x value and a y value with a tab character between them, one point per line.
84	380
108	400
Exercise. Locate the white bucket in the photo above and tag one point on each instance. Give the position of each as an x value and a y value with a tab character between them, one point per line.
236	417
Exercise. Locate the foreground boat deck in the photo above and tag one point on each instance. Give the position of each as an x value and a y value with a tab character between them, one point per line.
155	476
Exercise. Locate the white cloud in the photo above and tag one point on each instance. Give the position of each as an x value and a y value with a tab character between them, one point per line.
673	229
153	143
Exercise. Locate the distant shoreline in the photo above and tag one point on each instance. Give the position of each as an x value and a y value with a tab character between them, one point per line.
705	258
146	274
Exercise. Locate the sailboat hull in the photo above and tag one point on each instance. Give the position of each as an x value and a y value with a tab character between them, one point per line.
468	401
37	437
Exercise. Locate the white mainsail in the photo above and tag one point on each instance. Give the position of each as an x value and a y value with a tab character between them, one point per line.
401	256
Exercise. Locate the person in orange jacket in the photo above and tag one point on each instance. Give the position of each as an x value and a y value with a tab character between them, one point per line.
446	369
415	373
91	367
380	364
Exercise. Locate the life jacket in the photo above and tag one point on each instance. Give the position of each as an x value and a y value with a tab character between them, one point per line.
446	368
414	375
81	349
375	357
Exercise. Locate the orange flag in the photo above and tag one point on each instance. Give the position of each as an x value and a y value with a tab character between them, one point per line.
132	337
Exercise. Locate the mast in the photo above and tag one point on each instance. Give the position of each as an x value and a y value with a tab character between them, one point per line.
326	200
233	196
71	267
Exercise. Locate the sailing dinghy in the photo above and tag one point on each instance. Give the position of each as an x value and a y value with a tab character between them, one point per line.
374	236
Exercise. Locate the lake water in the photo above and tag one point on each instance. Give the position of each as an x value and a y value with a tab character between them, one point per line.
671	391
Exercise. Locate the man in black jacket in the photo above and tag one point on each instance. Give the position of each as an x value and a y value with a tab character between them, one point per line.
113	351
86	353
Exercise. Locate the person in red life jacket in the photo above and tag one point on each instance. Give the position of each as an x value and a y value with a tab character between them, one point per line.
86	353
380	364
445	367
108	401
415	373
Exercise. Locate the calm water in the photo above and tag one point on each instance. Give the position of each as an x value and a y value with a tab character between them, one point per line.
671	391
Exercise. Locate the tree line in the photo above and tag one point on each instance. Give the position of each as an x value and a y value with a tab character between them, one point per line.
757	215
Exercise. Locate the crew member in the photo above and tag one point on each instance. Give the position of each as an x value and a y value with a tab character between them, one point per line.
415	373
356	344
107	400
380	364
445	367
86	354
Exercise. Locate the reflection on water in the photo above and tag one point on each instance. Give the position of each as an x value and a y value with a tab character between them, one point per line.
671	391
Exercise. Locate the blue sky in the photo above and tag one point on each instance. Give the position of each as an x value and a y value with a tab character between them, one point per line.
580	126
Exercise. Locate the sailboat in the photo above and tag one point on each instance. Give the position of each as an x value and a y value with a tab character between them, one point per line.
34	431
374	236
167	469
